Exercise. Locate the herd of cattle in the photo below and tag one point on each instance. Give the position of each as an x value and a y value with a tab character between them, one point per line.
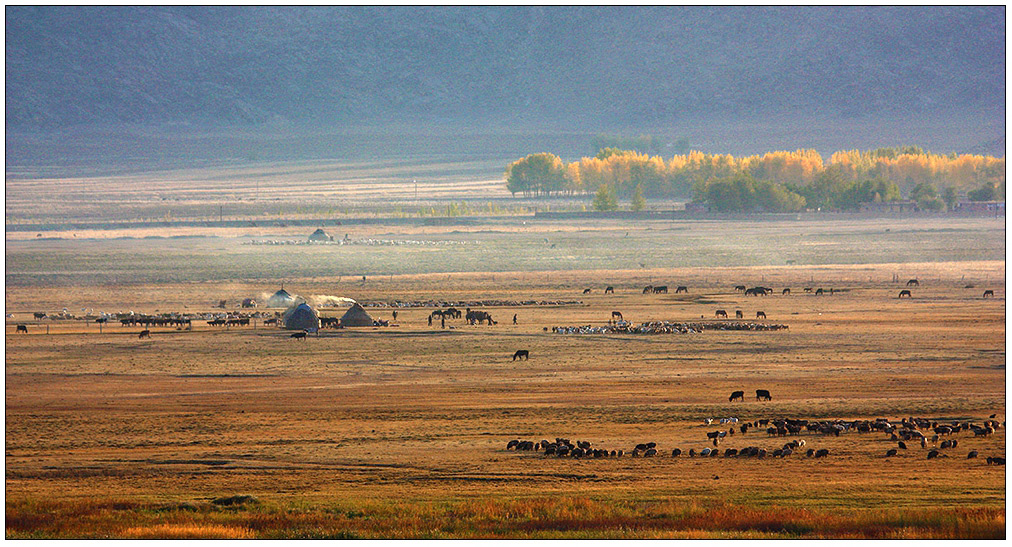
906	430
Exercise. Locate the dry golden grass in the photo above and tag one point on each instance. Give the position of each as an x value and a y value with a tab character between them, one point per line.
401	431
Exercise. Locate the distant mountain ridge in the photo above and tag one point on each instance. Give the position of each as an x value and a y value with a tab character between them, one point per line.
557	67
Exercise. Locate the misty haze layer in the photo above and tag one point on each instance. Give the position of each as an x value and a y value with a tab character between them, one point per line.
504	68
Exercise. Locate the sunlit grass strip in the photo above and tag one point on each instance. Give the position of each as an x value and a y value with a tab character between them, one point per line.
557	517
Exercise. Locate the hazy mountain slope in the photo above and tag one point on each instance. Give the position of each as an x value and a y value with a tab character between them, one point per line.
548	67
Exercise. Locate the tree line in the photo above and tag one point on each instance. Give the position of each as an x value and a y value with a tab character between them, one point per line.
775	181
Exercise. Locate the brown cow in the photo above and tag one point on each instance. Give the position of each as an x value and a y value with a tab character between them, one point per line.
721	313
144	334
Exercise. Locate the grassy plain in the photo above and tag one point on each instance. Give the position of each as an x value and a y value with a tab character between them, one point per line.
401	431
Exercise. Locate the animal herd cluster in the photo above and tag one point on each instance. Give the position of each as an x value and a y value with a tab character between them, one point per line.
666	327
466	303
906	429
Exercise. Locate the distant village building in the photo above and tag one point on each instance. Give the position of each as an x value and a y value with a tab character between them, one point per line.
904	206
991	207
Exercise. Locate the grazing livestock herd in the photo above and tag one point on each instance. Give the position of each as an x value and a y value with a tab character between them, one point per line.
906	428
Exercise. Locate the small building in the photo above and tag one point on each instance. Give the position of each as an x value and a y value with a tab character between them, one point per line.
320	235
301	317
902	206
990	207
356	316
280	299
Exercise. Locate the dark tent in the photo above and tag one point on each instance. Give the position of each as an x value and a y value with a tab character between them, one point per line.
320	235
301	317
356	317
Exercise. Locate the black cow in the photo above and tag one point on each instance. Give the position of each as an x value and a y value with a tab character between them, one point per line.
721	313
906	293
682	288
609	290
763	395
786	292
522	354
40	315
759	314
299	335
736	395
21	328
988	293
661	289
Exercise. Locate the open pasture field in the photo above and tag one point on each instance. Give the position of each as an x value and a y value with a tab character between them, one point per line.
402	431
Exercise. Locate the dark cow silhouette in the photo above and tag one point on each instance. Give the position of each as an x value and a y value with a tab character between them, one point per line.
609	290
144	334
736	395
763	394
40	315
808	289
786	292
721	313
822	453
996	461
21	328
299	335
906	293
818	292
988	293
682	288
586	291
615	314
648	289
913	283
891	452
761	314
661	289
739	288
738	314
522	354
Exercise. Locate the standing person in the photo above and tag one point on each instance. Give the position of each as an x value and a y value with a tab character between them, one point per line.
442	322
514	319
395	315
430	320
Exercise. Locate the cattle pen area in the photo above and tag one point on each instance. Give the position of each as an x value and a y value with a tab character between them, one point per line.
584	406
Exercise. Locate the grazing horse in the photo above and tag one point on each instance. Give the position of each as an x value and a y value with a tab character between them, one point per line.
144	334
615	314
906	293
739	288
586	291
299	335
682	288
988	293
759	314
522	354
763	395
661	289
609	290
736	395
818	291
738	314
786	292
21	328
913	283
648	289
721	313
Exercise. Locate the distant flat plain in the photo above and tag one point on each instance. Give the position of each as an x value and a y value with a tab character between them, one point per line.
401	431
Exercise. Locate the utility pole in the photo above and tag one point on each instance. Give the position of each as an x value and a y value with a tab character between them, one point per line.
416	189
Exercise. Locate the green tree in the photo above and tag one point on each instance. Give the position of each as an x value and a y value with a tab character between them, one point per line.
605	199
923	191
638	202
984	193
950	197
